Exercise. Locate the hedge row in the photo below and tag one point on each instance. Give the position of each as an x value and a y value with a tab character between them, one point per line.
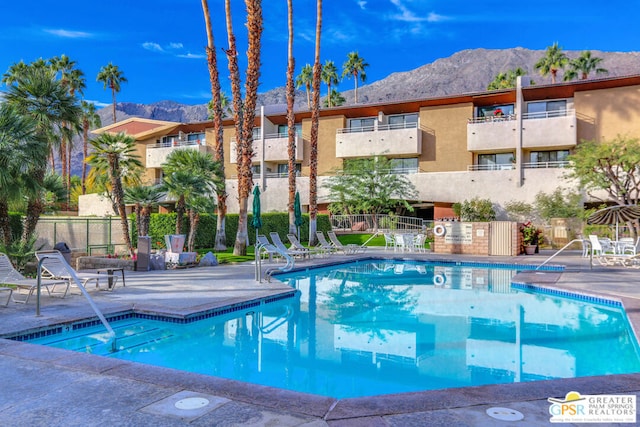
163	224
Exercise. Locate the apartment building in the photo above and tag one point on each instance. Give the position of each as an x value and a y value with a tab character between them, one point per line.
500	145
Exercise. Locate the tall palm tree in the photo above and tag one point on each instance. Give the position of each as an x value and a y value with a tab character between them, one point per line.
219	105
90	119
20	146
330	77
583	65
112	77
305	78
506	80
225	106
143	198
553	61
291	120
315	121
114	149
355	67
335	99
37	93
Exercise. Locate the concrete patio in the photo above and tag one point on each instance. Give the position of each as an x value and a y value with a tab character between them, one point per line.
44	386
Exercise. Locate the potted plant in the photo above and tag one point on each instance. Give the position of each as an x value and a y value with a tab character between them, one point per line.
530	237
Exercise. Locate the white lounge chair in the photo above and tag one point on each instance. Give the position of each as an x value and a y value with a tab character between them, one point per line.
295	244
275	238
264	246
347	249
54	266
11	276
324	244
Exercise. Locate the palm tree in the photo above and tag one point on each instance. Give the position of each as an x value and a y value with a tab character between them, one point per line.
335	98
355	66
305	78
20	146
553	61
315	120
329	77
506	80
225	107
143	198
116	149
291	120
195	206
37	93
90	119
112	77
583	65
219	105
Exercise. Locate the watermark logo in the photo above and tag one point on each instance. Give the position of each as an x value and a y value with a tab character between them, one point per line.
596	408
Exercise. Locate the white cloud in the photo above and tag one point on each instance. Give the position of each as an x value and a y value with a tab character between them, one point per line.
190	55
362	4
434	17
98	104
154	47
174	45
69	34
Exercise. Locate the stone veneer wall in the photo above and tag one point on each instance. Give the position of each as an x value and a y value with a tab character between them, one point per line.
481	241
94	262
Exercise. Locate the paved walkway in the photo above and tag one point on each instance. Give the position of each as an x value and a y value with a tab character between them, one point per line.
41	386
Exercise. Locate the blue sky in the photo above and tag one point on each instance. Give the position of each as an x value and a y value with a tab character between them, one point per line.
159	44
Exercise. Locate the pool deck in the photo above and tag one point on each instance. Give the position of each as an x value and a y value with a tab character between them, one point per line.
42	386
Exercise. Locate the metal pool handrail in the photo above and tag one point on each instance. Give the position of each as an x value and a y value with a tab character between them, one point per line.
76	279
563	248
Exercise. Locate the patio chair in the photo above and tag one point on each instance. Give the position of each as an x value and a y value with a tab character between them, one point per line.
389	241
347	249
419	242
11	276
295	244
604	254
324	244
54	266
275	238
629	247
264	246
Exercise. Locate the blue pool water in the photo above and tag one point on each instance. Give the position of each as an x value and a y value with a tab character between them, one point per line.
377	327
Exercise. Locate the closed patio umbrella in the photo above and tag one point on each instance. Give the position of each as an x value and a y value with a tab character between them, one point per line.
297	212
257	220
615	215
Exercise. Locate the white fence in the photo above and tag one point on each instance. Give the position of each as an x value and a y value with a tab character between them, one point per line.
369	222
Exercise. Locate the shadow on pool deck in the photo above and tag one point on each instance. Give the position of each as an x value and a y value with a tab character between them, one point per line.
47	386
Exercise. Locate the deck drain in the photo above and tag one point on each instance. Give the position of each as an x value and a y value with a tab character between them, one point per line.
505	414
191	403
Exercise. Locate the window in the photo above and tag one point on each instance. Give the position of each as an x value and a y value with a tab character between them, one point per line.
404	166
496	110
283	169
498	161
196	137
362	125
402	121
256	132
283	130
543	109
549	156
255	169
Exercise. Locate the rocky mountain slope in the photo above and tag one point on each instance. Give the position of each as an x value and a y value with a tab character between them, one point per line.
464	72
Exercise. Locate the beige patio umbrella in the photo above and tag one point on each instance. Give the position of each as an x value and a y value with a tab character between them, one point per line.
615	215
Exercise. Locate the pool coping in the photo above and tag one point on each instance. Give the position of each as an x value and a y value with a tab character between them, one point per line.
329	408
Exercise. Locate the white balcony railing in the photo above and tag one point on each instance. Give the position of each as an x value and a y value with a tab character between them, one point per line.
549	114
546	165
402	139
493	119
492	167
178	143
394	126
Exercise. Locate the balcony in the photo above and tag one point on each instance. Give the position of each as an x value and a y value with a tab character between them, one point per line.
388	140
551	129
157	153
276	149
492	167
491	133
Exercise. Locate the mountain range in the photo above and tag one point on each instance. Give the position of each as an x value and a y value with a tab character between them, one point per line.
463	72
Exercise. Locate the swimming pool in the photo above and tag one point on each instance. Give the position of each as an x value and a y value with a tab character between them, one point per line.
410	326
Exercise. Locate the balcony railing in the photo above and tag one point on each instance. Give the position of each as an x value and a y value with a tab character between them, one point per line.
492	167
269	175
493	119
178	143
394	126
548	114
546	165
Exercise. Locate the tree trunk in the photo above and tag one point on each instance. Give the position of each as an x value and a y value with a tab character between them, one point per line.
5	224
118	195
315	119
35	207
291	148
180	209
144	220
194	220
113	97
220	243
85	150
